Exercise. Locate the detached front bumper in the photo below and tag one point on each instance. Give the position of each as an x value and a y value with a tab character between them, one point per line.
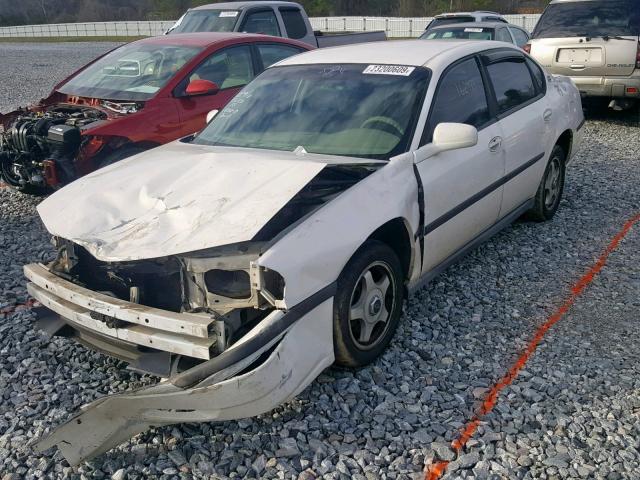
238	383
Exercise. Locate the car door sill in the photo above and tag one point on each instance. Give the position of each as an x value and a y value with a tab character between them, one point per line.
483	237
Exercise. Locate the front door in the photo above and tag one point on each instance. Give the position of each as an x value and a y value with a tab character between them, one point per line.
461	199
231	69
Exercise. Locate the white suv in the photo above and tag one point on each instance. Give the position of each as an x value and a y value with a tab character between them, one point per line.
465	17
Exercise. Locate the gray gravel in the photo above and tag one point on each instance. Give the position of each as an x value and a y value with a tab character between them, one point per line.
572	413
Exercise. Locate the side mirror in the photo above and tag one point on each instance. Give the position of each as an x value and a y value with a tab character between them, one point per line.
201	87
453	136
211	115
449	136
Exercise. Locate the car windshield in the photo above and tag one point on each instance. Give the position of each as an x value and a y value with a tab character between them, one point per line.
366	111
467	33
590	19
206	21
132	72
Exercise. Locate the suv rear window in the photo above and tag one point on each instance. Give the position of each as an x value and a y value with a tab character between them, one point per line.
589	19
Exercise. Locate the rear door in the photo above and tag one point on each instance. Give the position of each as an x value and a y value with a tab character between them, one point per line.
588	38
461	196
525	120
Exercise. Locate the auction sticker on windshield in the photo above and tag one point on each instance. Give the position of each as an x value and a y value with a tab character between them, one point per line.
400	70
229	14
473	30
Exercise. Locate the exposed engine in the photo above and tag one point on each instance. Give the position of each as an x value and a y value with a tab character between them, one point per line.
40	148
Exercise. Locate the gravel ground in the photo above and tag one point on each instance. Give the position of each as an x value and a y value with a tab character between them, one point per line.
572	413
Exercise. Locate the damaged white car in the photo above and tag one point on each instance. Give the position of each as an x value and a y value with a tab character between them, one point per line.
241	262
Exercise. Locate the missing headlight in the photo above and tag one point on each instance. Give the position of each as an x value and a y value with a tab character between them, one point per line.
234	284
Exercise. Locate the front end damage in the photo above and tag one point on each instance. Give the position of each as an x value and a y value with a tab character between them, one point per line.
215	323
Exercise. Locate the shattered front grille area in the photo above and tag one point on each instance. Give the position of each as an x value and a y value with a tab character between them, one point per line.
154	283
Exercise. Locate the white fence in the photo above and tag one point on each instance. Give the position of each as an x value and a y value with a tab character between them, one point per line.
394	27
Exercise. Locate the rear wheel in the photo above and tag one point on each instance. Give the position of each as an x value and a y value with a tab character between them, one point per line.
551	188
368	305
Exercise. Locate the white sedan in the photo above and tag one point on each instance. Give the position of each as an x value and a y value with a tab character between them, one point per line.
241	262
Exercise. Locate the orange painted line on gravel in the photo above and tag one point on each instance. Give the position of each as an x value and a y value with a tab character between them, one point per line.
437	470
21	306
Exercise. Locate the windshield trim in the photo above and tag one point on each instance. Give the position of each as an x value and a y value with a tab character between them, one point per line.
403	146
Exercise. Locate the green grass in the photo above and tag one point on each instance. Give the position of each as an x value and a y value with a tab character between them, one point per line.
67	39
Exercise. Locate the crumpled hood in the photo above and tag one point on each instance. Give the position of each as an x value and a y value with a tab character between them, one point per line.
176	199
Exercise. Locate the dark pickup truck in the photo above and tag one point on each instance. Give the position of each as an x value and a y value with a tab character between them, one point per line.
279	19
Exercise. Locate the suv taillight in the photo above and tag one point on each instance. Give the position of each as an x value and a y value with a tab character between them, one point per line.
638	56
527	48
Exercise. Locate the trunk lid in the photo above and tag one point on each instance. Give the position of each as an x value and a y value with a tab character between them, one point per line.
583	56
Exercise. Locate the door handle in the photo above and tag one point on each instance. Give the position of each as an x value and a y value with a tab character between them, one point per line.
495	143
547	115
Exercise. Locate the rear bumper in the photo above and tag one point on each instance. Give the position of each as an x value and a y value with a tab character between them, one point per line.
271	364
609	87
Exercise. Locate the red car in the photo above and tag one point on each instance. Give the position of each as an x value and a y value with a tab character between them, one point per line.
134	98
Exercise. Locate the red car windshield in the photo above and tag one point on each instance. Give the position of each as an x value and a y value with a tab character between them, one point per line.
132	72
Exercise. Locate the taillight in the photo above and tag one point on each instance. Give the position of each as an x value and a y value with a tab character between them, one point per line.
638	56
527	48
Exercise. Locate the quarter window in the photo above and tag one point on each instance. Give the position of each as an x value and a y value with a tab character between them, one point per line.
512	83
274	53
460	98
230	68
294	23
262	22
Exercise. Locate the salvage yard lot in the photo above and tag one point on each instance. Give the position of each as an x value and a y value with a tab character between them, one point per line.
572	413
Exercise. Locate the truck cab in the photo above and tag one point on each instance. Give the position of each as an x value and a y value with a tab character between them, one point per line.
275	18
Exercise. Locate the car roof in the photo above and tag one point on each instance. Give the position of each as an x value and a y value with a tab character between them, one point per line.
243	5
206	39
432	54
474	24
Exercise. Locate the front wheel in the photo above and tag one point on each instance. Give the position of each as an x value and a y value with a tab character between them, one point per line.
551	188
368	305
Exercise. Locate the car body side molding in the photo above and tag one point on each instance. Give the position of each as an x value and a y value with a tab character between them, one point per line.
480	195
483	237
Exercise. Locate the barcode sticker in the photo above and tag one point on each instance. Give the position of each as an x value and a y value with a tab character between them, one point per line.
399	70
473	30
229	14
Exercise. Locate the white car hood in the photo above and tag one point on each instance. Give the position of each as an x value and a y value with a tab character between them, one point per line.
176	199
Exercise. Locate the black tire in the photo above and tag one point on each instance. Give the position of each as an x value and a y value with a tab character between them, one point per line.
120	154
380	260
547	200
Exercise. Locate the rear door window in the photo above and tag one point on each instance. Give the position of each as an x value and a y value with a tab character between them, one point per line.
521	36
502	35
273	53
460	98
512	83
294	23
589	19
263	21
